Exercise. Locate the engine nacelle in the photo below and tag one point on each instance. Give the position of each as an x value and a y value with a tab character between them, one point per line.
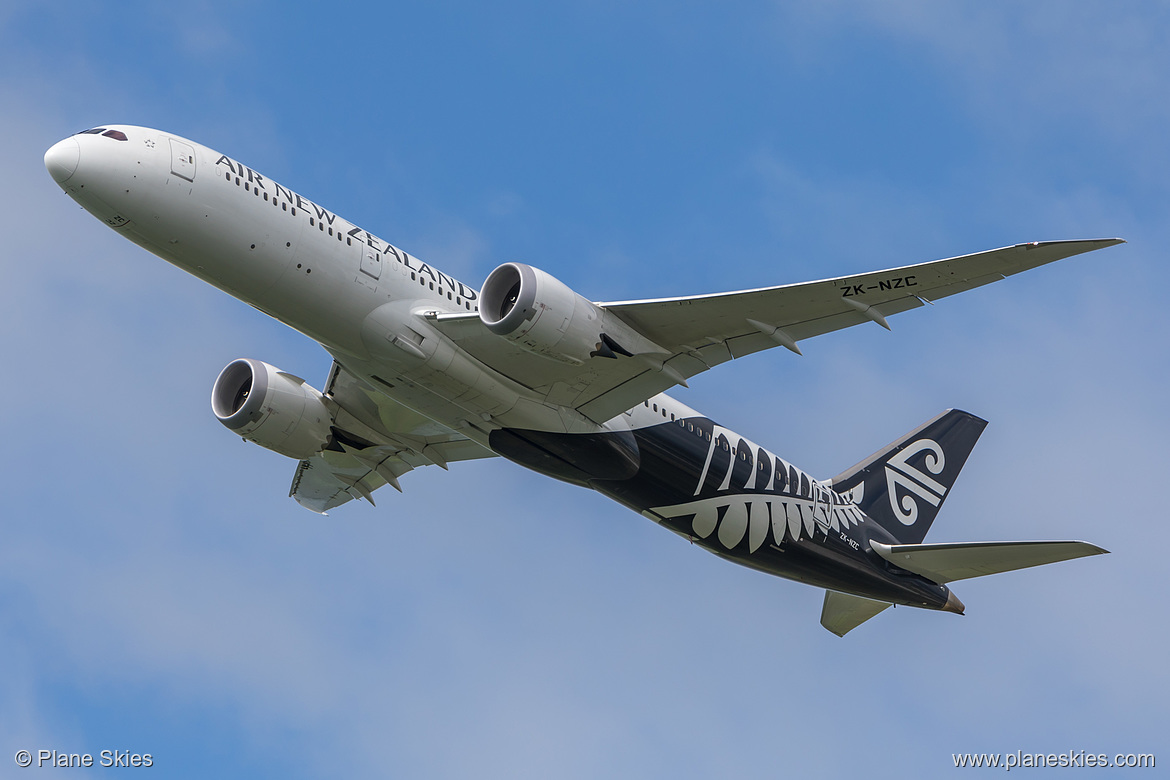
271	408
542	315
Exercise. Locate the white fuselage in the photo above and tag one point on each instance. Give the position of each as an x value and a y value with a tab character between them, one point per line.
366	301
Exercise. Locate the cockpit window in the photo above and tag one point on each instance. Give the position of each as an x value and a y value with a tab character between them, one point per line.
117	135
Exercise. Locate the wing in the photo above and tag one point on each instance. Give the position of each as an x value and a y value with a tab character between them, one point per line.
376	441
700	332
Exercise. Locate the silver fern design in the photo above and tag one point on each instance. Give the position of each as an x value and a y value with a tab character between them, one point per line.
732	517
799	506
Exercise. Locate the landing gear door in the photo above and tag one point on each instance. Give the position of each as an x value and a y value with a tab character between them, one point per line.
182	160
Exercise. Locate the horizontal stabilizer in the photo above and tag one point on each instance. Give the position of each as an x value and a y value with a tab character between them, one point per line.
842	612
943	563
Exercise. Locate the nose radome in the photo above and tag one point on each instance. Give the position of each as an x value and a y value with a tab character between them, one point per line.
62	158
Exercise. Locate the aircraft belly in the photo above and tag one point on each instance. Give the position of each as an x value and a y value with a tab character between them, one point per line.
776	525
576	458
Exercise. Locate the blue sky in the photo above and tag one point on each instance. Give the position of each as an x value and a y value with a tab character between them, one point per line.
160	594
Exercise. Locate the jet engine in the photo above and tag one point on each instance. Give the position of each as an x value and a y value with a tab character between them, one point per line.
276	410
540	314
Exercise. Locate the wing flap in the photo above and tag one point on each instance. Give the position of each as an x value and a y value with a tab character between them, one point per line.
843	612
330	479
943	563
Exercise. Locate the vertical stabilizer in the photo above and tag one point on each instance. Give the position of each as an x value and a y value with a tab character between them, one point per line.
902	486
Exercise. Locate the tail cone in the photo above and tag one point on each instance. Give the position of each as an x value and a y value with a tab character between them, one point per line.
953	604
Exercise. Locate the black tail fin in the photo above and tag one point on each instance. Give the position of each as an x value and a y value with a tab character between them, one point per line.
903	485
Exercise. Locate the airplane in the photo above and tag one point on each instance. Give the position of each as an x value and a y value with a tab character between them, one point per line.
428	370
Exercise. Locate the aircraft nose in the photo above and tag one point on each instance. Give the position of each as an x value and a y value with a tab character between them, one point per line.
62	158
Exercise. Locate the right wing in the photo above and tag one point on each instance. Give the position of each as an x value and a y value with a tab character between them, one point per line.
376	441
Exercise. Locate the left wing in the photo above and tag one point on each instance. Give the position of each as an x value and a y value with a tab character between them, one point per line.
376	440
700	332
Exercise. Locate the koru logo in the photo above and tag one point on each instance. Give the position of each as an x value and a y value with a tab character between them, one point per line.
913	482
